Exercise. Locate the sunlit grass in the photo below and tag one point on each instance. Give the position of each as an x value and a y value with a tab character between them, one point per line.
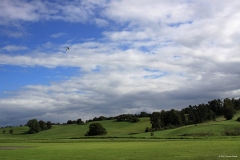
148	149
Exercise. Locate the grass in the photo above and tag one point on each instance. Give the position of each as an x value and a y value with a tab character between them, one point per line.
114	129
120	150
211	128
124	141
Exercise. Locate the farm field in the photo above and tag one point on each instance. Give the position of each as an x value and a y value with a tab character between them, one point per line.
121	150
124	141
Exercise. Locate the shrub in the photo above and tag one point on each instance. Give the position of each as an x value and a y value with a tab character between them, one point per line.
11	131
4	131
148	129
238	119
232	131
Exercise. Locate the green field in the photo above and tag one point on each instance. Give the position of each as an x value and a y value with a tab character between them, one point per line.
124	141
120	150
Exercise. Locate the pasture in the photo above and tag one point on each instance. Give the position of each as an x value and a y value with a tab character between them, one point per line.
124	141
123	149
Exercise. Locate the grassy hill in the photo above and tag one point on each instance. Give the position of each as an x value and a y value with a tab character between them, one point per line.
114	129
126	129
211	128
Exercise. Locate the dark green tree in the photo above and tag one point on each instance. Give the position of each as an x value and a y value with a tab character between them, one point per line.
228	109
155	120
42	125
216	106
34	126
49	125
79	121
144	114
229	112
96	129
4	131
69	122
11	131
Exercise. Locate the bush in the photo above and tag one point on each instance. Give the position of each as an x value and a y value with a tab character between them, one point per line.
11	131
148	129
96	129
4	131
238	119
232	131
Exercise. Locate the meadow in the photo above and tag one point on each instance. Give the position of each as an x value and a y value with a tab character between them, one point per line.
124	141
123	150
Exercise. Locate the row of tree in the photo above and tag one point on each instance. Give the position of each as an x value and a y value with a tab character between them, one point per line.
36	126
122	117
10	131
127	118
78	121
194	114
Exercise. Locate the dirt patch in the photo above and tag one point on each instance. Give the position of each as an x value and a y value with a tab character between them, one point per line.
14	147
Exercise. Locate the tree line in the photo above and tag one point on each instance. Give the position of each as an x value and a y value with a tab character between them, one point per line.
36	126
194	114
159	120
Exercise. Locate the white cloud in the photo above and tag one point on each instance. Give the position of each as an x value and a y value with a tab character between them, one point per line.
194	46
70	11
10	48
57	35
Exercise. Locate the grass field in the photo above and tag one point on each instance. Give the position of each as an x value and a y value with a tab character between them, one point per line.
124	141
120	150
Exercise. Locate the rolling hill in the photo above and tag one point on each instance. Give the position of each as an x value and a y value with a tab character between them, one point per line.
126	129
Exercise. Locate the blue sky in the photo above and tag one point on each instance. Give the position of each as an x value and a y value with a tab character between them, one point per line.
125	57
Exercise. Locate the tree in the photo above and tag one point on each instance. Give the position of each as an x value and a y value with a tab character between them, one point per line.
228	112
69	122
42	125
11	131
4	131
33	126
127	118
49	125
228	109
155	120
79	121
144	114
96	129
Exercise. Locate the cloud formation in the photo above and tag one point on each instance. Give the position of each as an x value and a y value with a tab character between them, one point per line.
153	55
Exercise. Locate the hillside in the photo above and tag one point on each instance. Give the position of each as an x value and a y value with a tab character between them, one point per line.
125	129
211	128
116	129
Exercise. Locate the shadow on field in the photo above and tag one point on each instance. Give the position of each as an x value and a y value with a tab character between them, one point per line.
23	133
14	147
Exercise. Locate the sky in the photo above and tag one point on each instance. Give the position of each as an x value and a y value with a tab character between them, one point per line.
125	56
